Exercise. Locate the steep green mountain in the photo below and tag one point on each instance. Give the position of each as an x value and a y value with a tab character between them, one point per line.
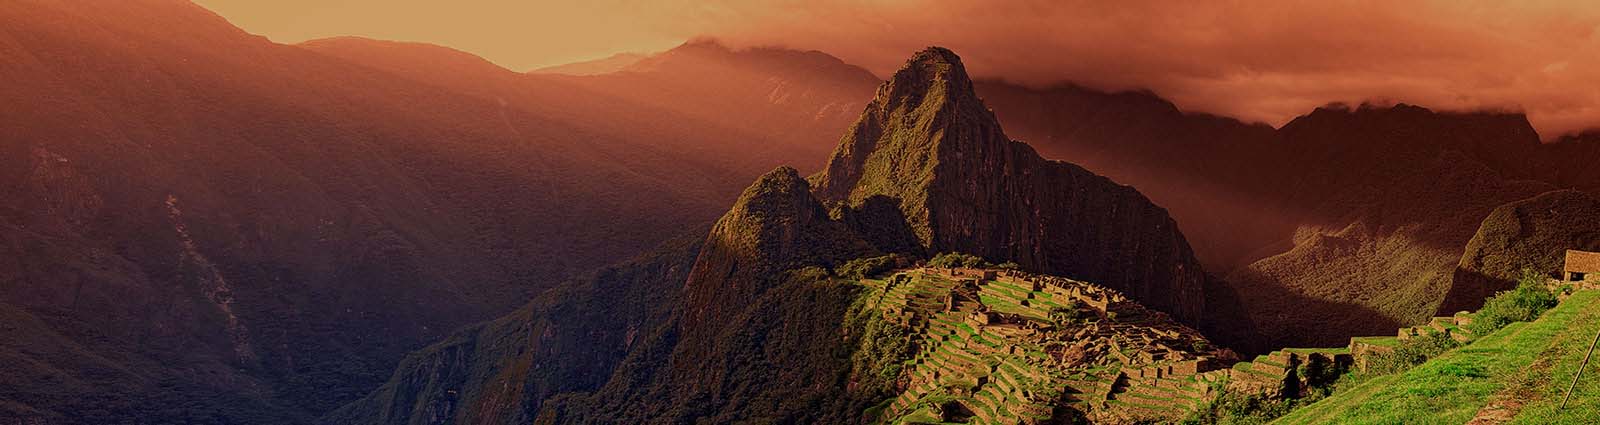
928	169
775	227
1530	234
768	330
764	333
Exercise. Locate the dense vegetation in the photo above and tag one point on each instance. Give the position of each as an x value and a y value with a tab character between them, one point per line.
866	267
1232	408
1528	234
789	357
1408	354
1525	303
878	361
957	259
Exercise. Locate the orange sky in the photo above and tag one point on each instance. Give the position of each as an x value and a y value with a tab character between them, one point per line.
1262	61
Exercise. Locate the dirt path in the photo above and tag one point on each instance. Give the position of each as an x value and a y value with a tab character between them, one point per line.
1506	403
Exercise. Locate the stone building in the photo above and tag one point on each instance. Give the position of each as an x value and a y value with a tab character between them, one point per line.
1581	266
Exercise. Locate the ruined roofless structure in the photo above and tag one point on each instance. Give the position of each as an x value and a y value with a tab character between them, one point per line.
1581	265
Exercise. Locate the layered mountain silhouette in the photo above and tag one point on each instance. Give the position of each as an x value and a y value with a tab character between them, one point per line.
606	65
201	225
1307	222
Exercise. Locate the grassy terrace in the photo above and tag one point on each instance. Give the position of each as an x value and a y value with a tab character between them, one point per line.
1248	368
1381	341
1518	372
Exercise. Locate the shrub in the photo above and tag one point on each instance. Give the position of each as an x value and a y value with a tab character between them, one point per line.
1234	408
956	259
808	274
862	268
1410	353
1525	303
880	356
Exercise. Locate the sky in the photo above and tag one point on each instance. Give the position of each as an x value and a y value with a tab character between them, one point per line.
1265	61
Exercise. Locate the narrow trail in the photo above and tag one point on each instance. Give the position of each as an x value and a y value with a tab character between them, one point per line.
1505	404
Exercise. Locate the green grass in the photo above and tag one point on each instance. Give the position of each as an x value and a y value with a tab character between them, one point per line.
1382	341
1451	388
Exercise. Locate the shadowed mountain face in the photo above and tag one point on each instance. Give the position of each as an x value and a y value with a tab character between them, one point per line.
1531	234
200	225
1204	169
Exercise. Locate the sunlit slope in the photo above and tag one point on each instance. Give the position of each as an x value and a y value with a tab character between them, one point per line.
1518	373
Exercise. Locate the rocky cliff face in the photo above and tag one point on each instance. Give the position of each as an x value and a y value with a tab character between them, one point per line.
927	146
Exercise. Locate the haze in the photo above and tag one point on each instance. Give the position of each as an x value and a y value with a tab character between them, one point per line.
1268	61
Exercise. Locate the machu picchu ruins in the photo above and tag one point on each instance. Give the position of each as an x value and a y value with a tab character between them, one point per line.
1003	346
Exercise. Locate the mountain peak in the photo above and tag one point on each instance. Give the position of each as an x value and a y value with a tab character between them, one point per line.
935	73
935	56
926	114
928	169
775	225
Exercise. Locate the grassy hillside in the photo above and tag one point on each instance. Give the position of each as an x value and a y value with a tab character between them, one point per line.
1517	373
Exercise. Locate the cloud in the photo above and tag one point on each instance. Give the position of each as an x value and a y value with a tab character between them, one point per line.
1260	61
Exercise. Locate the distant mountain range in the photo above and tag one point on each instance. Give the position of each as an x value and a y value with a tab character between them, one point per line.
605	65
200	225
194	216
